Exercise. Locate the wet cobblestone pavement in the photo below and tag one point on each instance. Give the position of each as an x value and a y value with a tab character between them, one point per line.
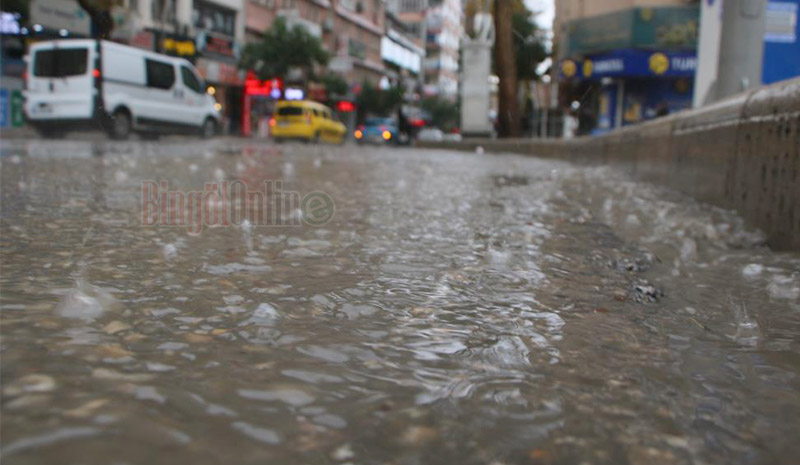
451	308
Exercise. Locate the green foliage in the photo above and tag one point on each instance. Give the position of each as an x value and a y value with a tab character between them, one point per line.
374	101
335	84
528	48
444	114
281	49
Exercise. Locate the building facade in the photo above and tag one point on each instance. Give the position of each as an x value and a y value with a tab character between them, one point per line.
443	39
634	59
413	14
209	33
350	30
402	53
439	24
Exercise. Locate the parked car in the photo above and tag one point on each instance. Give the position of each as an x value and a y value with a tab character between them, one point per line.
378	130
452	137
86	84
430	135
305	120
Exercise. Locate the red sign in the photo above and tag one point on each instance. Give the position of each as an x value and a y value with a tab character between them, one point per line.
142	39
345	106
254	86
218	45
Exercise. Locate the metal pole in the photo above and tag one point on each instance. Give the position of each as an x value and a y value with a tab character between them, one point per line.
741	51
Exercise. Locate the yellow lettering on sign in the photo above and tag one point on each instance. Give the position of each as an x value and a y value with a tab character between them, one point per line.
179	47
186	48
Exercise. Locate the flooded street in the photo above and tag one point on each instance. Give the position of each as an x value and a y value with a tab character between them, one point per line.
453	308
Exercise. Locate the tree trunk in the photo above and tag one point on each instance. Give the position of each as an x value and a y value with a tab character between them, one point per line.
101	18
506	62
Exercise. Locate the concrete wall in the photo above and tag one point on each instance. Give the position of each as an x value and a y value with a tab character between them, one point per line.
742	153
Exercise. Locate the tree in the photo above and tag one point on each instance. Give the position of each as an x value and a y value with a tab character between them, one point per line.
100	12
506	67
375	101
335	84
443	114
282	49
528	47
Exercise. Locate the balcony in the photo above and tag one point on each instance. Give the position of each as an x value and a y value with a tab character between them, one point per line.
293	19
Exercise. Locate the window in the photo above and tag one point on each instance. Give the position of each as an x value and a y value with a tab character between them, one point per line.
327	114
316	112
190	80
60	62
208	17
162	10
290	111
159	74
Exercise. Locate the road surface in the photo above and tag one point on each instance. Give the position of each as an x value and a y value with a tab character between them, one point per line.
225	302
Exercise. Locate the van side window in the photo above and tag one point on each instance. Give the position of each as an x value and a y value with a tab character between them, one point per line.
159	74
190	80
316	112
327	113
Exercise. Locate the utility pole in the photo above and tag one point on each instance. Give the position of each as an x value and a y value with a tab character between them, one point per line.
741	51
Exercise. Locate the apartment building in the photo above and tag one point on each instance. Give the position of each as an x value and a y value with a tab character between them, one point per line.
351	30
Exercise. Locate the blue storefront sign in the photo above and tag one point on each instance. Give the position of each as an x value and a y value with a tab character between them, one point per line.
5	109
631	64
781	41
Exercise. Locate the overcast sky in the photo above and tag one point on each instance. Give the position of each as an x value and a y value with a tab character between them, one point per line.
545	19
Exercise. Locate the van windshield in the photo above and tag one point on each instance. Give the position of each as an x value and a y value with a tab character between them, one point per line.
290	111
61	62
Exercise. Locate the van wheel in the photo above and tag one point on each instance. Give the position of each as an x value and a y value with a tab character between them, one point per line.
209	128
120	125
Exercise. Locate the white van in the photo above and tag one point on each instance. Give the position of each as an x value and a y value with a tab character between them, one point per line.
85	84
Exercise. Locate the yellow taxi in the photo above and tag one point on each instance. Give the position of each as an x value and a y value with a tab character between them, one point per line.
305	120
